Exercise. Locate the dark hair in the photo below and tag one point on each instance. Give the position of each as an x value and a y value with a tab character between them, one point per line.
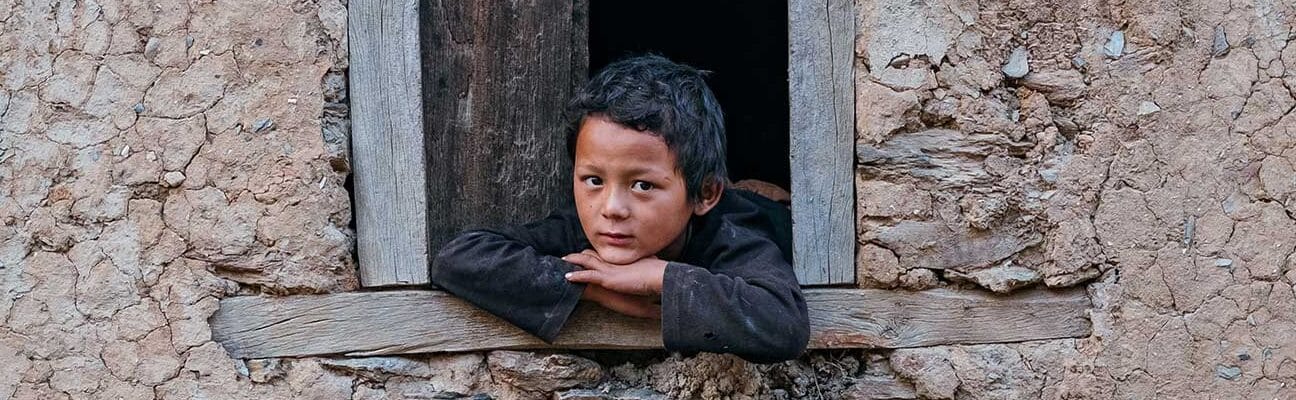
654	95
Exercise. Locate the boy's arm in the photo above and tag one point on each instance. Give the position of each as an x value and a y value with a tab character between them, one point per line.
512	273
748	303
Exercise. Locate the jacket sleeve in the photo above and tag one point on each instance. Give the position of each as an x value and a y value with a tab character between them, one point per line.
515	273
747	302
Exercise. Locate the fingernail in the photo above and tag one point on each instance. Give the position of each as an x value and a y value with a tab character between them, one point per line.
568	275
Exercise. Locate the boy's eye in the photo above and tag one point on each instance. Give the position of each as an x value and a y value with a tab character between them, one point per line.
593	181
642	186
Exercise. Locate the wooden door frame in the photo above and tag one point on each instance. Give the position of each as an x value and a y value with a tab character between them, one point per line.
392	233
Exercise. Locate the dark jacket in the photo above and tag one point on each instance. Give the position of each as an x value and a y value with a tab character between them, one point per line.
732	290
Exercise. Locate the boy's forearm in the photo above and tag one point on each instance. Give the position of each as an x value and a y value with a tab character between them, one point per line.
508	279
634	306
761	320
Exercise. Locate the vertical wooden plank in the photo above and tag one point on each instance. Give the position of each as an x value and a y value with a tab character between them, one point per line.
821	37
387	142
498	77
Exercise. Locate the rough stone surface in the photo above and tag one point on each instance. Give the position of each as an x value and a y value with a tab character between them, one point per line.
157	157
540	372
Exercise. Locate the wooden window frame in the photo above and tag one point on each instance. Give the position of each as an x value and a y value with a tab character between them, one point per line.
390	177
391	214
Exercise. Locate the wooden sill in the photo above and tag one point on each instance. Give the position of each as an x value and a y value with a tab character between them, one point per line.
399	322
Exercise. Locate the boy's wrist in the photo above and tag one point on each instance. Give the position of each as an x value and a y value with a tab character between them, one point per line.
657	280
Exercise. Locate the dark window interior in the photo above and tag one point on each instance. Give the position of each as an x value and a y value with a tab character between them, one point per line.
743	43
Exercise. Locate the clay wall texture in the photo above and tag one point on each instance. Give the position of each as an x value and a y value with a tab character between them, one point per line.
158	156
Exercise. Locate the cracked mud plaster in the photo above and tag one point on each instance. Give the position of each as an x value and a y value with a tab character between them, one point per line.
1179	222
109	270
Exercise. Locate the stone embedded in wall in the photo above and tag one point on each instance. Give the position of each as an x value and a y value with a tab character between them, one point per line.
929	369
1061	87
880	110
606	394
945	158
1000	278
919	279
907	30
876	267
878	388
1072	253
540	372
706	375
935	245
875	198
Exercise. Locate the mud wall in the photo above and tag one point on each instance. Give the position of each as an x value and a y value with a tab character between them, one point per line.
158	156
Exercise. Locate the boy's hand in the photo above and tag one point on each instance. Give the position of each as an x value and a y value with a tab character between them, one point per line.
643	277
628	304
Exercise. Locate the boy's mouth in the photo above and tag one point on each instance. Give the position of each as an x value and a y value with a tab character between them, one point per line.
616	239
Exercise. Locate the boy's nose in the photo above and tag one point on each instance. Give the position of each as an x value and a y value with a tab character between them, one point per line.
615	206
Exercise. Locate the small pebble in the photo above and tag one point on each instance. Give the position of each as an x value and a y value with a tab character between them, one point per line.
151	48
1223	262
900	61
173	178
1017	65
1148	107
188	42
262	124
125	151
151	155
1228	372
1220	46
1078	62
1244	357
139	108
1115	45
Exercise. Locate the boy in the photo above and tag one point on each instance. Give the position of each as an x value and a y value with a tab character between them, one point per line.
653	234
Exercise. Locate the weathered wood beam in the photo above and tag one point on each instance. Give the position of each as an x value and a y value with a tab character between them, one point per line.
395	322
821	40
387	143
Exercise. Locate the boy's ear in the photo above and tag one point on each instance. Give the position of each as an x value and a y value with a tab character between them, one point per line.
711	193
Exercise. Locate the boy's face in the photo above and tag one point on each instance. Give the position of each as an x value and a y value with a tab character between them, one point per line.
632	201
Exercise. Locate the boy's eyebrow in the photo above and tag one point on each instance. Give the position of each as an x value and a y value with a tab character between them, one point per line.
632	171
588	167
641	170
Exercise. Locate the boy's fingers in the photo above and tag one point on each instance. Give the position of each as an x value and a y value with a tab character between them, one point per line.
584	260
586	276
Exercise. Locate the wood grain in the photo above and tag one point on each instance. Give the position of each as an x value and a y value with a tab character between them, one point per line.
821	40
387	143
395	322
497	78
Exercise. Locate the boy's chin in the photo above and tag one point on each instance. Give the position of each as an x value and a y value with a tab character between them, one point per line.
618	255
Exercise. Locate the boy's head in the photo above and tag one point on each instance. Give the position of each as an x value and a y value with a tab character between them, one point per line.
647	144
